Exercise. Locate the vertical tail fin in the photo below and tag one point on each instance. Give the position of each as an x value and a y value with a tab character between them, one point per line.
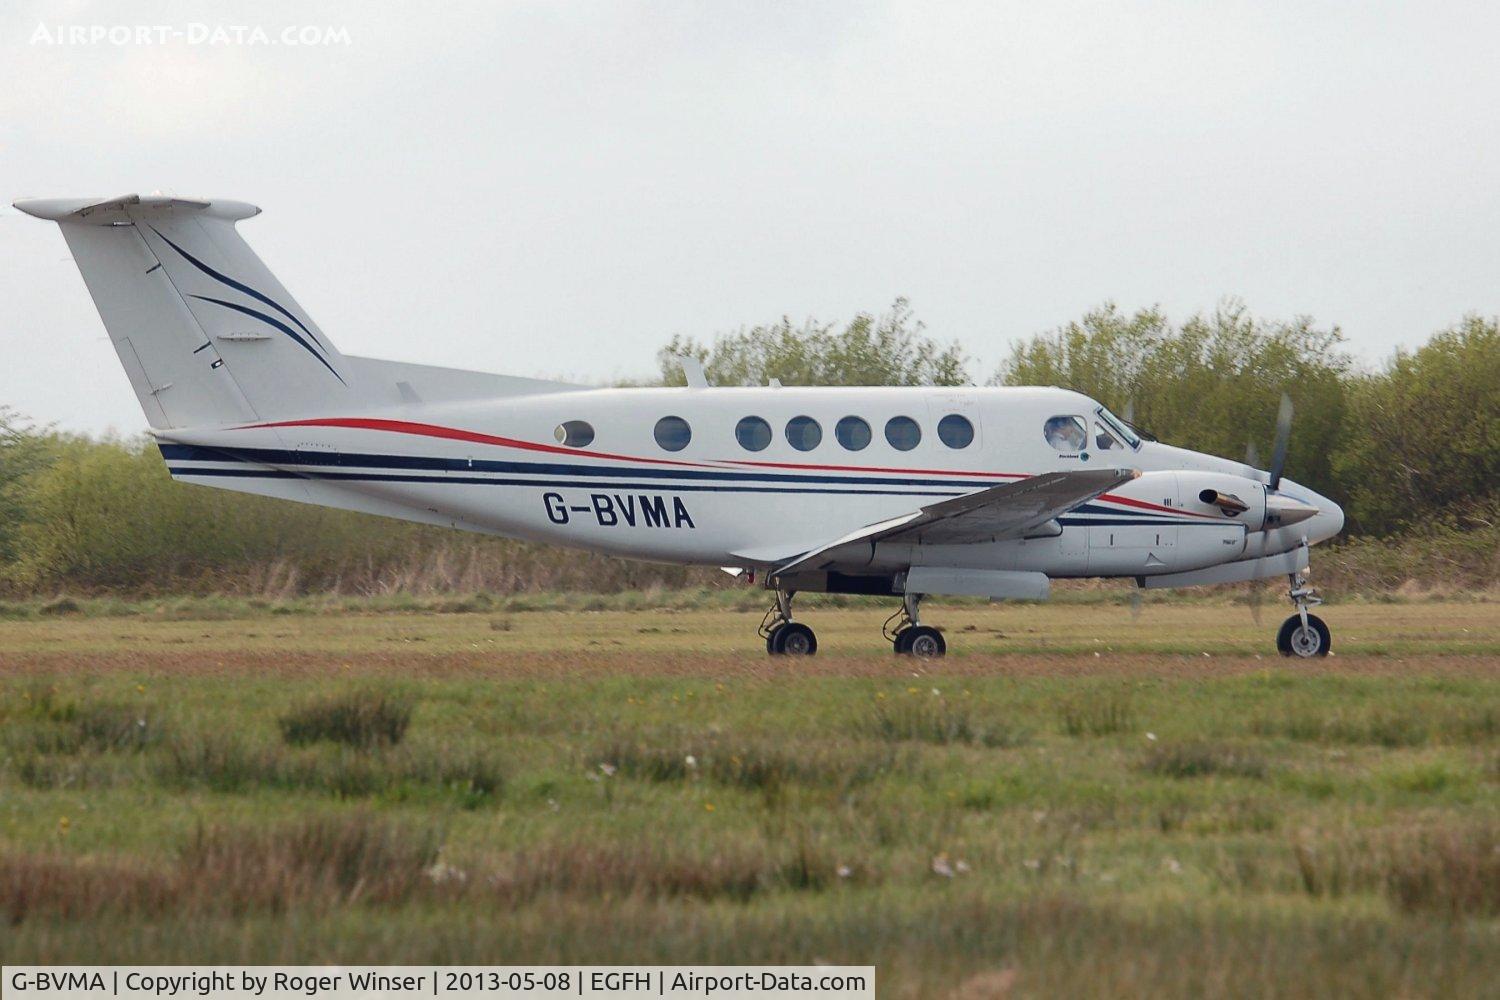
204	330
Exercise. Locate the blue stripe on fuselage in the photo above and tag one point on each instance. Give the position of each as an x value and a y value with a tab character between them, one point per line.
315	461
313	465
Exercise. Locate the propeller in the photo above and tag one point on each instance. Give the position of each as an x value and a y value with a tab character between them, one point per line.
1283	437
1278	464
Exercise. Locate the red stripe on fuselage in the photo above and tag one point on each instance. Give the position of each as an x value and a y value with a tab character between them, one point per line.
454	434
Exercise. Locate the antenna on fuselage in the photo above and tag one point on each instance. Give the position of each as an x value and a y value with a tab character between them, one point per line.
692	370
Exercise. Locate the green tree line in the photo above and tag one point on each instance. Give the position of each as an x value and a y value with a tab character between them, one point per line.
1411	446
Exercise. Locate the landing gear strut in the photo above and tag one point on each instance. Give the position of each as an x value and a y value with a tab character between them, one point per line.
783	636
1303	635
908	636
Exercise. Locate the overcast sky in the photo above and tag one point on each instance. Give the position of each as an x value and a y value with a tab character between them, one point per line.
556	188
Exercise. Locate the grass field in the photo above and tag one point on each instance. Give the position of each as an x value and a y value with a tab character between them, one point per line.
1074	803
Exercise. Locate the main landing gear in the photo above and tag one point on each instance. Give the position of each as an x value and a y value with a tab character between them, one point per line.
908	637
783	636
1303	635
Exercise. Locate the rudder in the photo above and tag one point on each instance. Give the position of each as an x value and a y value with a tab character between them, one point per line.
205	332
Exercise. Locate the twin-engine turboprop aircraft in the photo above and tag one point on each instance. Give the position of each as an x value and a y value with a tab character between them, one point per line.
893	491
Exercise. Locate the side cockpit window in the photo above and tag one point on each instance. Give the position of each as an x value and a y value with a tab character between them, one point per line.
1104	440
1066	434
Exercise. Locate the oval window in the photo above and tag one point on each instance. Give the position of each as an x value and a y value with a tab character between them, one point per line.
753	434
853	433
574	433
673	433
956	431
903	433
803	433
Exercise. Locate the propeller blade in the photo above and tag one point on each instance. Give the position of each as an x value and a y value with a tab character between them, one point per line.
1130	411
1283	436
1257	591
1252	456
1135	603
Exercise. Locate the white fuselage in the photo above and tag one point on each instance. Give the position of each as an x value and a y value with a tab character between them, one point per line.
498	466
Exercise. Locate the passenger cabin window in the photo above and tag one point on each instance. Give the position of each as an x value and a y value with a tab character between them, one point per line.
803	433
903	433
673	433
955	431
1104	440
574	433
853	433
1066	434
753	434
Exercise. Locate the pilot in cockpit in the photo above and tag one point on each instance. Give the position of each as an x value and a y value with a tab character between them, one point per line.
1066	434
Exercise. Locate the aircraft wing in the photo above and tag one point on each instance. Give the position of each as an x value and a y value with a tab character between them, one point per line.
1001	512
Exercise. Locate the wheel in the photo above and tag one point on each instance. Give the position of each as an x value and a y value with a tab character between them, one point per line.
921	640
792	639
1303	642
771	640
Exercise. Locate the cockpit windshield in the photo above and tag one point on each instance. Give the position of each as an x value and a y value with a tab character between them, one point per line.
1120	427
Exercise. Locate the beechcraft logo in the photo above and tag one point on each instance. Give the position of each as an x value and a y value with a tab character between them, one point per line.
309	343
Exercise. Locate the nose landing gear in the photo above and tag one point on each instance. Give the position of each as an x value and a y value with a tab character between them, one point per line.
783	636
908	637
1303	635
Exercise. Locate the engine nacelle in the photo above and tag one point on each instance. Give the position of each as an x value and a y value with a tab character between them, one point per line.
1172	521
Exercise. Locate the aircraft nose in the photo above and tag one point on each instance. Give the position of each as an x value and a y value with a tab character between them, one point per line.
1316	516
1335	515
1327	522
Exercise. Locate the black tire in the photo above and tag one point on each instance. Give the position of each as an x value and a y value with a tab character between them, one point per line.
900	643
771	640
793	639
922	641
1293	640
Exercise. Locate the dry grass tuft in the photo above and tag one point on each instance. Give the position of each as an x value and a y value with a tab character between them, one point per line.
1097	714
358	719
601	870
1201	758
1388	726
228	764
753	764
1455	872
938	720
324	859
53	887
